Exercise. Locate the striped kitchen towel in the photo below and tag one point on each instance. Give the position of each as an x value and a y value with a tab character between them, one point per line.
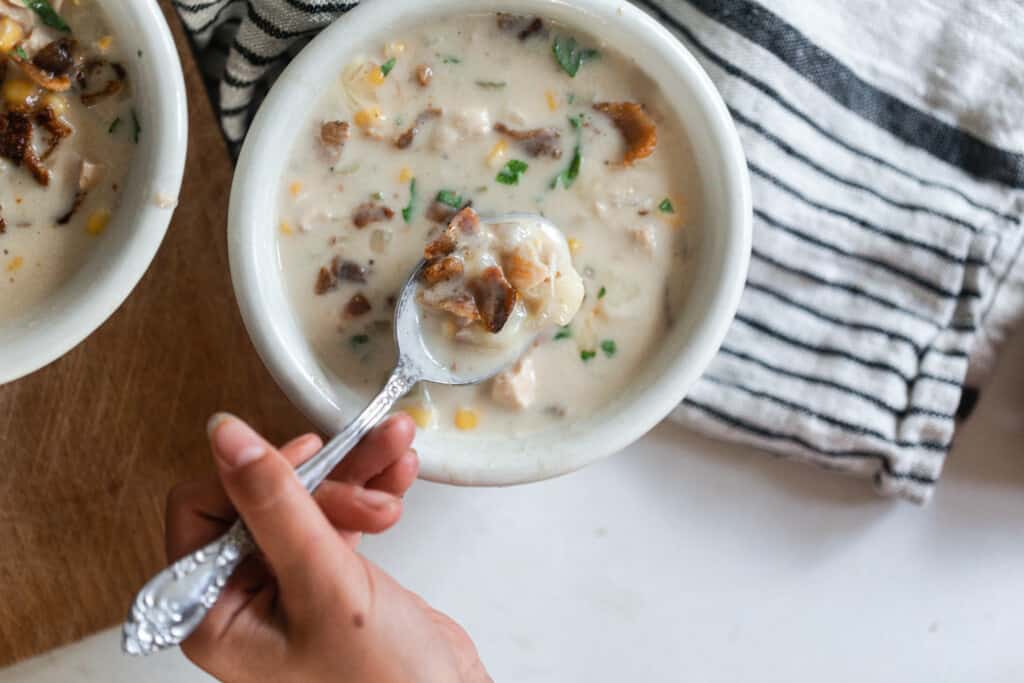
885	149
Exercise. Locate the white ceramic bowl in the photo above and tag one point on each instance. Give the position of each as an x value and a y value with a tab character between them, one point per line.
471	458
136	229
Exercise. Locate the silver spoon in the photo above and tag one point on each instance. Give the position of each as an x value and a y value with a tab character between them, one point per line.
173	603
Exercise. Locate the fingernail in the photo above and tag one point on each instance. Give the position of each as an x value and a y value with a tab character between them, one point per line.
234	443
374	498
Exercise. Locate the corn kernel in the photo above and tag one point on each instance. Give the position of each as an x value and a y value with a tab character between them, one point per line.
56	103
286	228
11	34
497	153
366	118
466	419
19	93
552	100
15	263
105	42
404	175
394	49
574	245
295	188
97	222
375	76
422	415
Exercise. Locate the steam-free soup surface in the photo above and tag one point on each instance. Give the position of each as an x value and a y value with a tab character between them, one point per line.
58	191
482	110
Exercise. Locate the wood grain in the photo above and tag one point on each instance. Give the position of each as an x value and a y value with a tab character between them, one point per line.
90	445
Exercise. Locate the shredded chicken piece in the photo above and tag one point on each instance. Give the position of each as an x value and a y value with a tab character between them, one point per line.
495	298
637	128
333	136
441	269
370	212
462	305
536	142
406	138
442	245
516	387
424	74
466	221
523	272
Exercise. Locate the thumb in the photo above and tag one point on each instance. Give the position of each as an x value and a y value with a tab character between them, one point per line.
297	541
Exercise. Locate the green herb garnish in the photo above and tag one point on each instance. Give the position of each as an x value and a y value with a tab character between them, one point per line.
450	59
601	292
358	340
587	355
387	66
576	121
573	169
563	333
48	14
666	206
20	51
449	198
136	128
509	175
609	348
492	84
114	124
570	56
407	211
571	99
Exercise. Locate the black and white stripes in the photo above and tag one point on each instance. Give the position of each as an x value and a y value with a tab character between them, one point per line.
887	240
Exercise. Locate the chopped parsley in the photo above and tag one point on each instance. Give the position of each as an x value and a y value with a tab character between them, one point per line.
20	51
563	333
48	14
407	211
387	66
601	292
571	99
609	348
113	125
450	59
509	175
570	55
136	128
587	355
449	198
666	206
494	85
358	340
567	176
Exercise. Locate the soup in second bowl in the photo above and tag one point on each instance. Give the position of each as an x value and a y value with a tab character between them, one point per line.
503	114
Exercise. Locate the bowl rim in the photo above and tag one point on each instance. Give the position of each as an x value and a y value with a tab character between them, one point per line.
652	404
43	342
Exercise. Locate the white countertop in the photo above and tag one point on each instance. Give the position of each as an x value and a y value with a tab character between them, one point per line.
686	559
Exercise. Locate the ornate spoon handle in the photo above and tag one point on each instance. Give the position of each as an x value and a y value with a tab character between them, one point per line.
173	603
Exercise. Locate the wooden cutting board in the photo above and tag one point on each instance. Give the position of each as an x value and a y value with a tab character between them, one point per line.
90	445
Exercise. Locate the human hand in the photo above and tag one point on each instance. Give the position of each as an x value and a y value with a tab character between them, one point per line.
309	608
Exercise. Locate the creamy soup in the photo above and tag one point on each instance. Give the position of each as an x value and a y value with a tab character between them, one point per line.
67	130
505	115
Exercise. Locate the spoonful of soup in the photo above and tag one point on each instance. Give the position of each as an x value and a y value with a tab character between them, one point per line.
477	301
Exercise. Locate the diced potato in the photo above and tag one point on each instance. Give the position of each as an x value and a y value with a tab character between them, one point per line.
97	222
11	34
516	387
466	419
